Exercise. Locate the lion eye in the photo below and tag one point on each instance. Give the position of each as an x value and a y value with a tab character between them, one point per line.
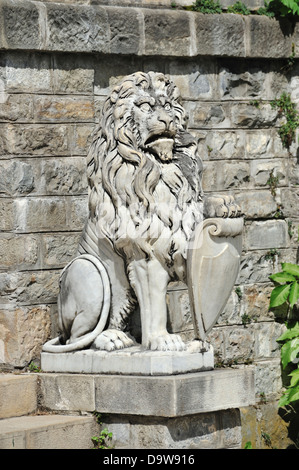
145	107
167	107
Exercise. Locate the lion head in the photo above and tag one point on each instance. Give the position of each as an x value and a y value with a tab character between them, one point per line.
142	160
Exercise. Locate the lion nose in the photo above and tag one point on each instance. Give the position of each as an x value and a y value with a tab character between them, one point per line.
166	119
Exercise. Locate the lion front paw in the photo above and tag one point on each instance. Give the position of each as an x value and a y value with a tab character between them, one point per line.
113	339
221	206
166	342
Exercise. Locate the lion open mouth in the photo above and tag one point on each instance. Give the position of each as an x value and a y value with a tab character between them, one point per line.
161	145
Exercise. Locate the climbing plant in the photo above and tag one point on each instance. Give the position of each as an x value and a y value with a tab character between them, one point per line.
286	291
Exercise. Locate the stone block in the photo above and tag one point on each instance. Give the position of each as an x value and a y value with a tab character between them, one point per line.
249	116
195	80
223	145
59	249
130	361
266	344
18	251
258	144
263	170
77	28
233	175
34	139
165	396
290	201
267	234
67	393
16	108
63	109
23	331
48	432
63	176
28	72
21	25
18	395
73	74
42	214
167	33
6	214
256	204
220	35
276	34
18	178
125	30
268	377
238	81
29	287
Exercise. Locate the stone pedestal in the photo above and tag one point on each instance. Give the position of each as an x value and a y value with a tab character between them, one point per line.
182	411
198	356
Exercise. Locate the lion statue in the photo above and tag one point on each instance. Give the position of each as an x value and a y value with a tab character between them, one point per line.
145	200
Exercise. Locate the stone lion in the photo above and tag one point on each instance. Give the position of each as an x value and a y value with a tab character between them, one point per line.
145	200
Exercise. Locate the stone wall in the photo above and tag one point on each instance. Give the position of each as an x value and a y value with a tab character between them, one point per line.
57	62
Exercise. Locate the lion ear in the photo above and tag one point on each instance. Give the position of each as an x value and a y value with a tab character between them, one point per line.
114	95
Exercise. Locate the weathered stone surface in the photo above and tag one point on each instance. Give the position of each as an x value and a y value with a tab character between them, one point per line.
59	249
220	35
125	34
21	22
167	33
179	395
48	432
22	332
274	33
18	251
29	287
63	109
14	403
34	139
267	234
77	28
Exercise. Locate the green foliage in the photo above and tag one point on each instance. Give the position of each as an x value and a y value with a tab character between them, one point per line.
248	445
100	442
207	6
266	10
239	8
288	109
284	8
286	290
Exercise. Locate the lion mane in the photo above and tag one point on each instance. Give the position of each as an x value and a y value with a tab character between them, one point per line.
141	205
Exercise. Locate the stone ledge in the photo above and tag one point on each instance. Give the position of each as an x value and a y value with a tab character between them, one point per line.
130	361
165	396
47	26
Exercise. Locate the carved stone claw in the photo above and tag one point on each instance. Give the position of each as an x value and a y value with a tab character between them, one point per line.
166	342
112	339
221	206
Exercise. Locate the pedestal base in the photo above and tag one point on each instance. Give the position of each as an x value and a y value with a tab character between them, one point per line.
132	361
185	411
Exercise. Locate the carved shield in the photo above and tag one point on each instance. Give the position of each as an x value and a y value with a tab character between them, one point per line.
213	263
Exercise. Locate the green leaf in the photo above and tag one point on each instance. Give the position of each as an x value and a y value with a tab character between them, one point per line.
294	294
294	378
290	333
291	268
289	351
282	278
279	295
292	394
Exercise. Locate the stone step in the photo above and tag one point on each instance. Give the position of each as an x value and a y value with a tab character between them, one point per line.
18	394
48	432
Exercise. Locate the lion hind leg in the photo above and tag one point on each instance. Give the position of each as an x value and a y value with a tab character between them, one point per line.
83	304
